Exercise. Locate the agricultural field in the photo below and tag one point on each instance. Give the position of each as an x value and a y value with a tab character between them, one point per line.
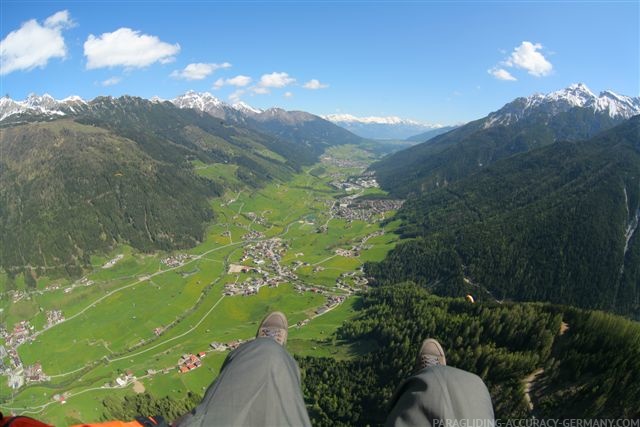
123	327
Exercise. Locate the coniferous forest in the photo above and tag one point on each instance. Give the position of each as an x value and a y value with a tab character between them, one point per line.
589	359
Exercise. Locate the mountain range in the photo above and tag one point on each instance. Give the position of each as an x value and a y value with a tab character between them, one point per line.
390	127
571	114
488	201
539	201
96	158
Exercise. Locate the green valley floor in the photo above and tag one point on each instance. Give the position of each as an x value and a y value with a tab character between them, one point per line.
124	328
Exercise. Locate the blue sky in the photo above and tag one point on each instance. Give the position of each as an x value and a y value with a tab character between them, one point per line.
437	62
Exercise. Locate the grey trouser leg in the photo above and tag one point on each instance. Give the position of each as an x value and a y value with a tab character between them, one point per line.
440	393
258	385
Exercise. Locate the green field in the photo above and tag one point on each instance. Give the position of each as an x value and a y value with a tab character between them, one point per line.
111	314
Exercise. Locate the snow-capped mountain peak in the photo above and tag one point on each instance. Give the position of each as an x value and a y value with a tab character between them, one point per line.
44	105
206	103
574	96
387	120
73	99
197	100
246	108
44	102
380	127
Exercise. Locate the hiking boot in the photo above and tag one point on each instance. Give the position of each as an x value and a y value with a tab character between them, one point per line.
431	354
274	326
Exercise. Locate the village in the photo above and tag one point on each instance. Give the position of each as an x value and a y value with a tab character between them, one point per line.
177	260
355	183
343	163
369	210
17	374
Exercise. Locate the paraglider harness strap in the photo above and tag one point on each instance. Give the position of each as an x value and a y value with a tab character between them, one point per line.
24	421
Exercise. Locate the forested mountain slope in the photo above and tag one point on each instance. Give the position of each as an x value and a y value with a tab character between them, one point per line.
430	134
118	171
572	114
556	224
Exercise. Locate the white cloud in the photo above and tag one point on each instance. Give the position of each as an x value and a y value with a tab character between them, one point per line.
198	71
260	90
59	20
33	44
111	81
528	57
128	48
276	80
237	81
501	74
288	94
273	80
235	96
315	84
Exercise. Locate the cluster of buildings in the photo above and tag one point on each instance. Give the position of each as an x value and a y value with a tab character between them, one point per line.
253	235
271	250
364	209
366	180
314	289
61	397
20	334
359	247
18	295
332	301
231	345
53	317
350	253
343	163
266	256
18	374
113	261
269	253
124	379
349	280
189	362
252	285
258	219
175	260
33	373
242	288
85	281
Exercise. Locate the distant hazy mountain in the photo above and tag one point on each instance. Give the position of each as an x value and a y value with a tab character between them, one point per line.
80	177
559	223
571	114
380	127
303	128
425	136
